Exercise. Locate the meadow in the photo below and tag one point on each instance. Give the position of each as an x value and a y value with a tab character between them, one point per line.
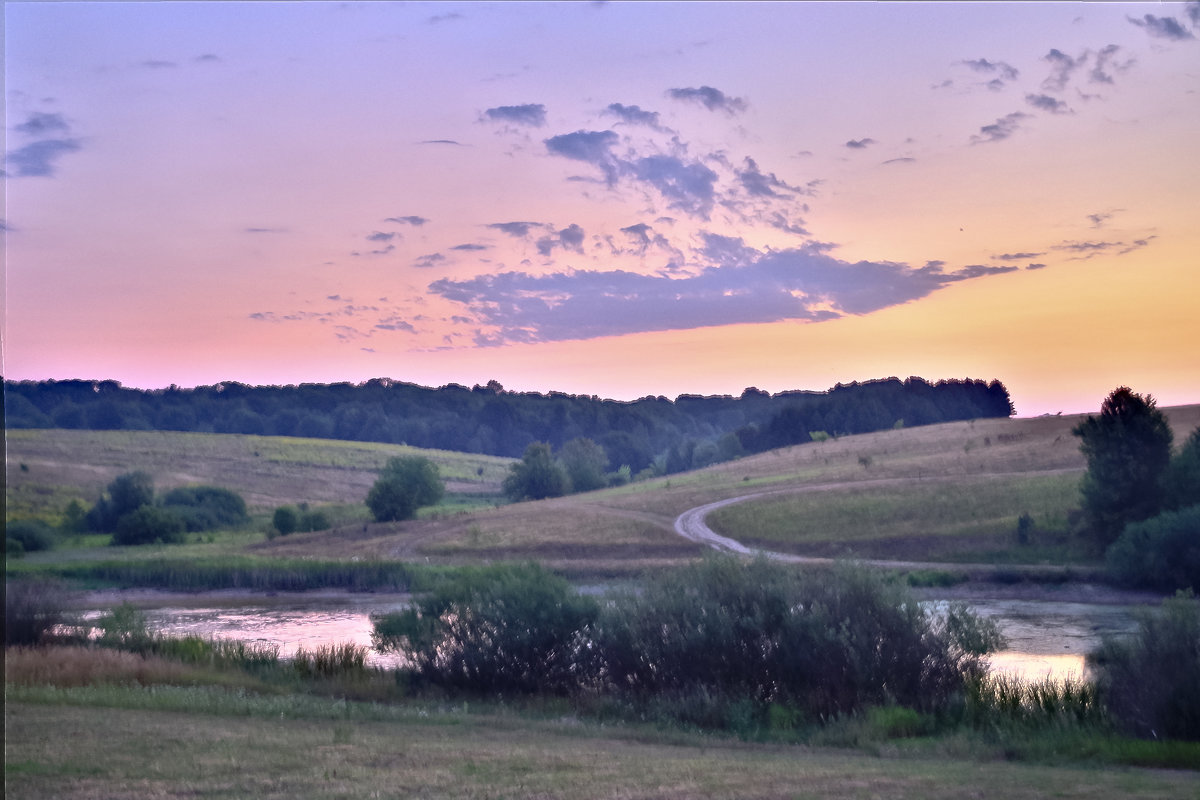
154	723
947	493
127	743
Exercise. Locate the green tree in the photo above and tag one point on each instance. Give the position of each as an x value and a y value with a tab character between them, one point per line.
1181	483
1127	449
405	484
585	463
125	494
148	524
285	519
536	475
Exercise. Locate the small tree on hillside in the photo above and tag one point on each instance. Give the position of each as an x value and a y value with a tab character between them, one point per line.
536	475
1181	483
1127	449
125	494
585	462
405	484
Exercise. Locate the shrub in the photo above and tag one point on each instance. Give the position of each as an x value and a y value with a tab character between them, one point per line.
504	629
826	643
1162	552
536	476
404	485
147	525
286	520
32	610
315	520
1181	482
204	508
31	534
1151	680
125	494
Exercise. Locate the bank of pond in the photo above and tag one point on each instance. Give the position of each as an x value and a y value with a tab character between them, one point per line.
755	650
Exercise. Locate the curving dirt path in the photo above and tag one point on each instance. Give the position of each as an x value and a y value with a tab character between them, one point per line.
692	525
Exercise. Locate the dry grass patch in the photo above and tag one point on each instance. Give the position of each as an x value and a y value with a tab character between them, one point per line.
91	666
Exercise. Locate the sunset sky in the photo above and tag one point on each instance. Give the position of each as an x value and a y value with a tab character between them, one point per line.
607	199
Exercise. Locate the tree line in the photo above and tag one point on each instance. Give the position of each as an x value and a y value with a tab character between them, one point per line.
687	432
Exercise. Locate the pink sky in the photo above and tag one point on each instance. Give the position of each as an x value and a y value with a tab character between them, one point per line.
617	199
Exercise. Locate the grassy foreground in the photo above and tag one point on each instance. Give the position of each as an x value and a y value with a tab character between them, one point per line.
83	744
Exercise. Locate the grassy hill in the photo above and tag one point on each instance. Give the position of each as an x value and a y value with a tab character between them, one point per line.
950	492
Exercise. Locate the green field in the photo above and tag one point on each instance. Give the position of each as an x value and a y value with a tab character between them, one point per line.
131	743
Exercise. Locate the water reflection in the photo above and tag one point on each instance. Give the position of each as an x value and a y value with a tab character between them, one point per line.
1049	639
1044	638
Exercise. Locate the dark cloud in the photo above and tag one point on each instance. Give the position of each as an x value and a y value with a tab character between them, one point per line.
1086	250
901	160
761	184
1002	72
1098	219
860	144
592	147
687	186
634	115
1035	266
1164	27
531	114
443	141
264	230
980	270
1001	129
999	68
43	124
410	220
437	19
569	238
744	286
431	260
780	221
470	247
207	58
1061	68
158	64
1045	102
395	323
710	98
1107	62
39	158
517	230
1193	12
380	236
1016	256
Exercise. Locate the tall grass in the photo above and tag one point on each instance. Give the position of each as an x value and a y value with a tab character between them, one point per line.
236	572
1004	700
331	661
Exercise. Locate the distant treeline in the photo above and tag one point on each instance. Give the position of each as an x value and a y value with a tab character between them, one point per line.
670	435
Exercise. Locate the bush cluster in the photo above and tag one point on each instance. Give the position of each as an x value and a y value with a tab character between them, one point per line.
1151	680
716	639
32	610
128	510
293	519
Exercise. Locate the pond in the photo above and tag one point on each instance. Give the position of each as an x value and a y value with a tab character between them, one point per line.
1044	638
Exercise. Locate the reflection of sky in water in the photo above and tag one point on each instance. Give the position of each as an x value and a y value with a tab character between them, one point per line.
1044	638
1048	638
288	627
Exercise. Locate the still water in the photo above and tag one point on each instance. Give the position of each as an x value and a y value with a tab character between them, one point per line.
1044	638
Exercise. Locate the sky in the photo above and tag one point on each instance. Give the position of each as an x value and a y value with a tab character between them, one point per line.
611	199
